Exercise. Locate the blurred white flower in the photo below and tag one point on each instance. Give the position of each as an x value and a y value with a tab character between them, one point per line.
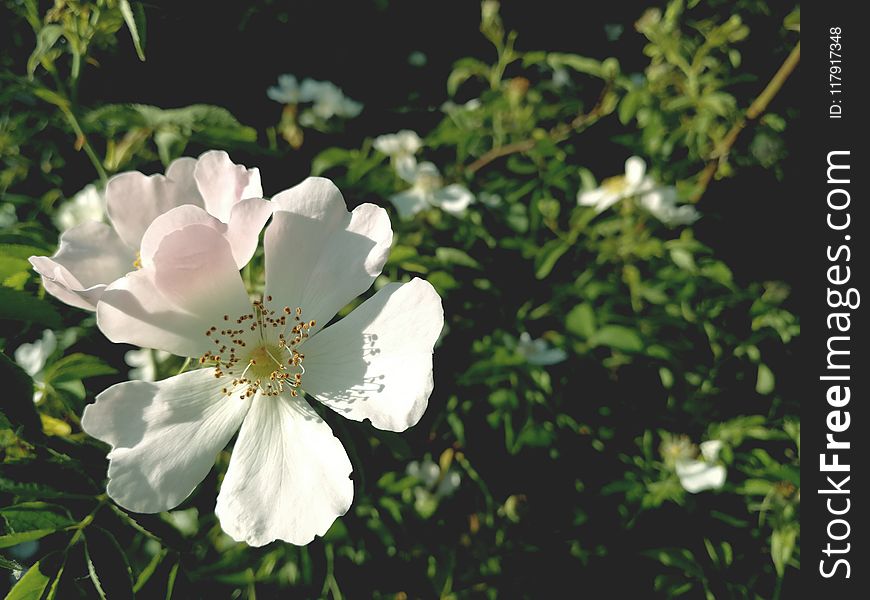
660	201
427	188
32	358
612	190
287	91
328	100
662	204
697	475
87	205
561	77
401	148
7	214
434	484
538	351
144	363
451	107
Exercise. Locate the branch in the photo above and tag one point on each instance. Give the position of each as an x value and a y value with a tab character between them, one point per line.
557	134
755	110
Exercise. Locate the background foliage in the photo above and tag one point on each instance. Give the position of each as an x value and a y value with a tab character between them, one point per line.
523	478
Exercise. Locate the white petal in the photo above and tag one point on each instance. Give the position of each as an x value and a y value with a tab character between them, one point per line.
90	257
318	256
454	198
376	363
289	476
710	450
164	436
32	357
635	169
697	475
193	283
409	202
406	167
223	183
134	200
599	198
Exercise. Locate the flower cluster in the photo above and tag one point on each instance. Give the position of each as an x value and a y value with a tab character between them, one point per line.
427	184
327	99
164	274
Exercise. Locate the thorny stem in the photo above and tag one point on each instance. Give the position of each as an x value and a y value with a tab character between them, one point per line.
755	110
557	134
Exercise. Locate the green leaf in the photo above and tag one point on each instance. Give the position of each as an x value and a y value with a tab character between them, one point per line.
618	337
45	41
34	583
13	539
766	381
76	367
18	397
12	565
782	544
34	516
581	320
21	306
107	565
134	17
548	255
456	257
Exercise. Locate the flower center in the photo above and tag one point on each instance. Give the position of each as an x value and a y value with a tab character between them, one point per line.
258	351
614	185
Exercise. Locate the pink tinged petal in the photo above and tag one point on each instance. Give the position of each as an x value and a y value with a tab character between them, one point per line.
194	269
409	202
134	200
376	363
90	257
454	198
289	476
164	436
319	257
194	282
223	183
247	219
173	220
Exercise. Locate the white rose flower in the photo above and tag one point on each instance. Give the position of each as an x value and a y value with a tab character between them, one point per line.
704	474
87	205
328	100
612	190
211	190
428	189
401	147
258	361
32	358
287	91
662	204
538	351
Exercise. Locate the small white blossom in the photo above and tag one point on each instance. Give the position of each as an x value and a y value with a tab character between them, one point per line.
328	100
538	351
428	189
659	200
87	205
634	183
434	484
401	147
662	204
287	91
32	358
697	475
